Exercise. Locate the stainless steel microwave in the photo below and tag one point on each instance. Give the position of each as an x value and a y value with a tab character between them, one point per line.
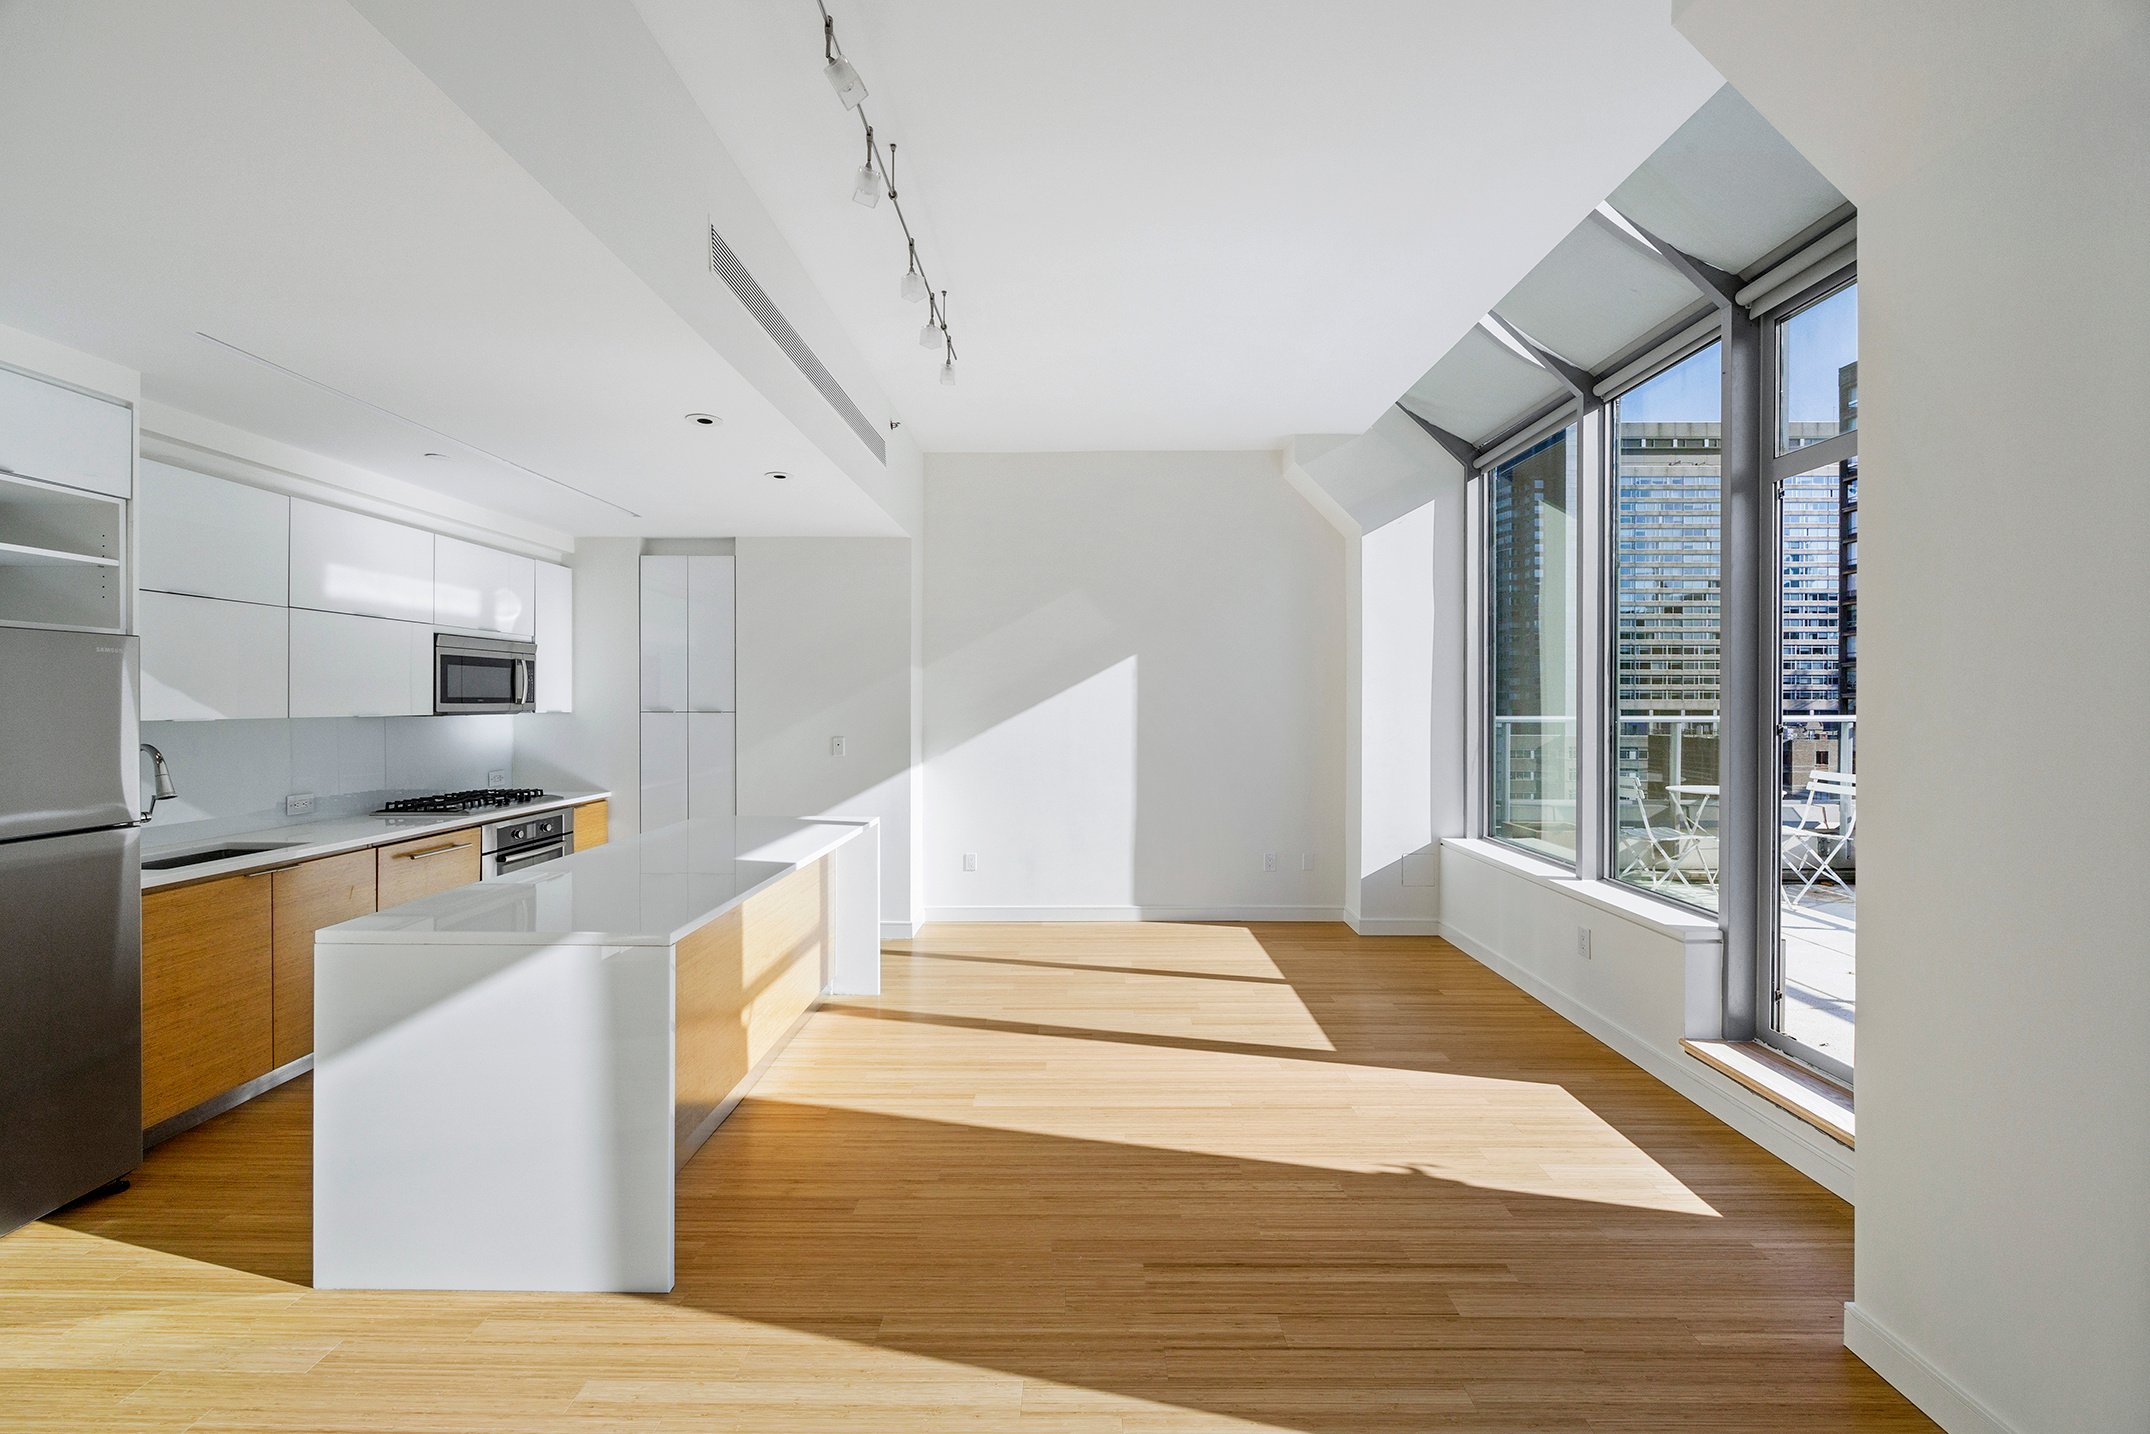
483	674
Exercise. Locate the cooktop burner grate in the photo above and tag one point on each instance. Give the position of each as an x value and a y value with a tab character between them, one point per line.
477	799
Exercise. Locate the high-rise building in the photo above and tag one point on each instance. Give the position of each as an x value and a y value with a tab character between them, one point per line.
1666	603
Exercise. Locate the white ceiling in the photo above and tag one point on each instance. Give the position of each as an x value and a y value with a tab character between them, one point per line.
1202	224
275	173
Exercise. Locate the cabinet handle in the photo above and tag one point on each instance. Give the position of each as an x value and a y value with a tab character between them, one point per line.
432	851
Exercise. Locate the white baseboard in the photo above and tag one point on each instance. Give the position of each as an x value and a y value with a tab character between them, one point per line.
1791	1140
898	930
1941	1398
1391	925
1134	913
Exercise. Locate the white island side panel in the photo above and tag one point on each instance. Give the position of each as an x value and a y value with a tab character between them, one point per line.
493	1117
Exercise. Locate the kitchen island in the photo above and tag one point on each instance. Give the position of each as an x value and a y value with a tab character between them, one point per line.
507	1076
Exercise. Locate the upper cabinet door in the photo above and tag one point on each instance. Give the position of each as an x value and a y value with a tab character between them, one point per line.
555	638
62	436
483	589
709	634
204	659
664	634
348	666
211	538
349	562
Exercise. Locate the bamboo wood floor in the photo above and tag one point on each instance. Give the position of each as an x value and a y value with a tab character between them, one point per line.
1083	1178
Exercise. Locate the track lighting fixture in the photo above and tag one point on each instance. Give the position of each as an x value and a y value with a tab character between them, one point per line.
914	283
866	187
842	77
875	175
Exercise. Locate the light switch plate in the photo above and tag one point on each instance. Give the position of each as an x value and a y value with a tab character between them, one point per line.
970	861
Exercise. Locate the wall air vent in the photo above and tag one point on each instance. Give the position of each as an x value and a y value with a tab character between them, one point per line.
750	292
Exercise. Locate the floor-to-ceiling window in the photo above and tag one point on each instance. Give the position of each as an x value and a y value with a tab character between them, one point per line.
1810	983
1666	689
1532	577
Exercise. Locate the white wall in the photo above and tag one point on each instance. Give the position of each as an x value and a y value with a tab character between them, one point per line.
1133	668
1997	156
599	744
825	651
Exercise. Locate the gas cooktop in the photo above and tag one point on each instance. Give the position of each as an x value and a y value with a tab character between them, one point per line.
477	799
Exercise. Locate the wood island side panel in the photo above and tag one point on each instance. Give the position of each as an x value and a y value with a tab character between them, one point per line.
744	980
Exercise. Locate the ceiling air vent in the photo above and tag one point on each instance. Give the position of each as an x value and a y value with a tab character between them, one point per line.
772	320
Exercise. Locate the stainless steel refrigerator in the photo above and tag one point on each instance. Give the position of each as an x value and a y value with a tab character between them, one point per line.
70	918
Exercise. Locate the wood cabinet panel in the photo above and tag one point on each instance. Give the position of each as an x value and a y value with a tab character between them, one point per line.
206	992
592	824
743	981
303	899
423	865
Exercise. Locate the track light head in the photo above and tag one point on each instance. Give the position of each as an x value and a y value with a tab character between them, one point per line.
866	186
914	283
844	79
948	371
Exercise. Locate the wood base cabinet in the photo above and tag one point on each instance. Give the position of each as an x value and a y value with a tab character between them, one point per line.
303	899
424	865
206	992
592	824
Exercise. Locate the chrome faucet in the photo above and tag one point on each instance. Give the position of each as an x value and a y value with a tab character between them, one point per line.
164	787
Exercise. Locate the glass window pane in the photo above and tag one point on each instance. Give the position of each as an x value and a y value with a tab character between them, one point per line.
1667	487
1818	371
1533	578
1815	995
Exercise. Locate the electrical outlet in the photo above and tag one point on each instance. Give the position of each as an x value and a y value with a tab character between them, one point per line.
298	804
1269	861
836	746
498	777
1582	942
970	861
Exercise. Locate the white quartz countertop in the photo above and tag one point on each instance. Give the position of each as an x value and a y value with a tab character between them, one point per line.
303	841
647	890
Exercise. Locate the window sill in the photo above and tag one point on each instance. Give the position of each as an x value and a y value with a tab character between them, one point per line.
1789	1086
1611	896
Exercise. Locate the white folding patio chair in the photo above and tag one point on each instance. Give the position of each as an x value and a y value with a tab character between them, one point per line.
1811	844
1657	854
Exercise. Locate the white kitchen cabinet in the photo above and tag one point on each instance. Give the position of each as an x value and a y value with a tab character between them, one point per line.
482	589
664	634
205	658
63	436
343	665
555	633
709	634
211	538
664	769
712	789
351	562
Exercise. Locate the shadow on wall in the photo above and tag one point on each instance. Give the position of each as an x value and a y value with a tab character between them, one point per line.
1133	675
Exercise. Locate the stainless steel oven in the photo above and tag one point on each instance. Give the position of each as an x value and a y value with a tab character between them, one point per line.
483	674
511	846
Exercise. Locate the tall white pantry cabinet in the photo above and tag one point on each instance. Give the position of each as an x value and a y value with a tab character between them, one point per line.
689	710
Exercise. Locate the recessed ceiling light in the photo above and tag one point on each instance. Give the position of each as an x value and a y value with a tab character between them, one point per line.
777	473
706	420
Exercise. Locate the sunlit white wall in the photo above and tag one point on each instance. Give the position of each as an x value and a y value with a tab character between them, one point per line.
1134	688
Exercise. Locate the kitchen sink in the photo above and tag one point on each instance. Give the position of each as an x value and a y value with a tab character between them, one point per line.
215	853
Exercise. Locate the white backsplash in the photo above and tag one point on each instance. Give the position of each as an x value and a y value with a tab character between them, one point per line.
235	775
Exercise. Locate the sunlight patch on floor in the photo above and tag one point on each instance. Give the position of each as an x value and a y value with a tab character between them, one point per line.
1492	1133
